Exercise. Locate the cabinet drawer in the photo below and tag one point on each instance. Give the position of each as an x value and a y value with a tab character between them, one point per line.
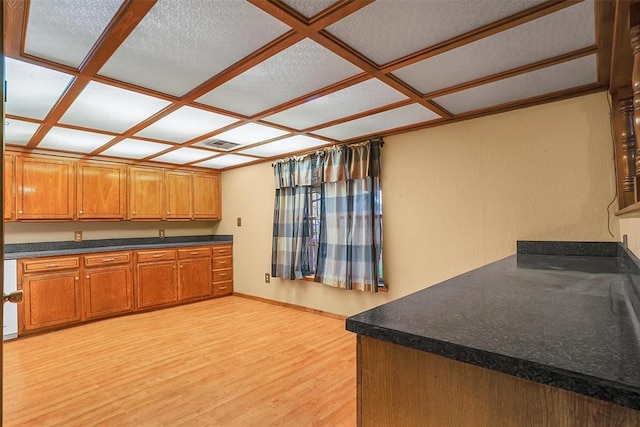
219	263
150	256
222	251
50	264
194	253
222	275
107	259
223	288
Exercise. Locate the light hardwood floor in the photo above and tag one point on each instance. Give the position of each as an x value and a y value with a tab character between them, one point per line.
225	362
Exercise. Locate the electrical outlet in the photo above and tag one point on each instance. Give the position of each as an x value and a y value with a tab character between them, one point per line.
267	278
77	236
161	233
239	222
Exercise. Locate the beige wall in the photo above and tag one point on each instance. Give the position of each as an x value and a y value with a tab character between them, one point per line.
455	197
61	231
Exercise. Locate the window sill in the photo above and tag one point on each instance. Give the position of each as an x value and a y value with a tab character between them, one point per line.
380	288
631	209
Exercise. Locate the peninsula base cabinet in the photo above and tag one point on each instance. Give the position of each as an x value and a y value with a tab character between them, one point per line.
67	290
401	386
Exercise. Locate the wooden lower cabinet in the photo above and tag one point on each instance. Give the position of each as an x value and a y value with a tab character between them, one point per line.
50	300
65	290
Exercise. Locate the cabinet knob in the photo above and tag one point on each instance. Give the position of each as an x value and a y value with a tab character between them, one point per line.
81	212
134	212
181	266
168	212
87	276
77	278
19	211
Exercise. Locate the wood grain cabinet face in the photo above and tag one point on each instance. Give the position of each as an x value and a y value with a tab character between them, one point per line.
108	285
146	193
50	298
178	195
101	189
156	282
222	270
206	197
9	188
45	188
194	278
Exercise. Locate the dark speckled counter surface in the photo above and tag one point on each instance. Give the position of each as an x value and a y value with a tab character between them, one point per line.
36	250
563	314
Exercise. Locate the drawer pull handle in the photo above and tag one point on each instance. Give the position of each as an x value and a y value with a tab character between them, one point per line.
107	259
157	256
195	253
222	288
52	265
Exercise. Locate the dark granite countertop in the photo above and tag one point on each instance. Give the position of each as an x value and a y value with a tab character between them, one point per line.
563	314
36	250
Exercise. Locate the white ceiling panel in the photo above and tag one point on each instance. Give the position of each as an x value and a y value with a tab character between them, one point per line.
184	155
182	43
110	108
309	8
294	72
31	90
131	148
389	29
74	140
570	74
18	132
248	134
355	99
285	145
391	119
64	31
184	124
225	161
565	31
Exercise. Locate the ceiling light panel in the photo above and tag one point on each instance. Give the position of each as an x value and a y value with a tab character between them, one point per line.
225	161
31	90
73	140
64	31
110	108
567	75
183	155
182	43
383	31
248	134
294	72
135	149
309	8
184	124
286	145
18	132
355	99
391	119
565	31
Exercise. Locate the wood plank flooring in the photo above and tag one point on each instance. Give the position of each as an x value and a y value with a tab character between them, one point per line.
225	362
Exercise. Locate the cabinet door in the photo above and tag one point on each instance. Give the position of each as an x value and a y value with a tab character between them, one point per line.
206	196
194	278
178	195
146	193
45	188
156	284
9	188
50	300
108	291
101	191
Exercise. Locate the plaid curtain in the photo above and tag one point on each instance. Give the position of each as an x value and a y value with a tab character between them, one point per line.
350	237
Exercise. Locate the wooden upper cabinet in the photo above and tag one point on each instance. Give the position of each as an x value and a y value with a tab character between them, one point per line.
9	188
206	196
146	193
45	188
101	189
178	195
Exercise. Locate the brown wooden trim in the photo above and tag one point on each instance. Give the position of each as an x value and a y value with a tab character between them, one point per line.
515	71
621	54
15	19
631	209
479	33
604	16
336	12
289	305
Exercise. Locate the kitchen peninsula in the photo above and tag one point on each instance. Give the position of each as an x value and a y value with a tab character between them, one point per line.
546	337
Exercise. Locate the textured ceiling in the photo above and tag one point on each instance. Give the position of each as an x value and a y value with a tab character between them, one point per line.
159	81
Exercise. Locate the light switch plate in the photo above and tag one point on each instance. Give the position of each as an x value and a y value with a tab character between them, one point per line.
239	222
161	233
267	278
77	236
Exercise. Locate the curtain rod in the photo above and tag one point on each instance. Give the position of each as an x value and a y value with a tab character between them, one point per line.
376	140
